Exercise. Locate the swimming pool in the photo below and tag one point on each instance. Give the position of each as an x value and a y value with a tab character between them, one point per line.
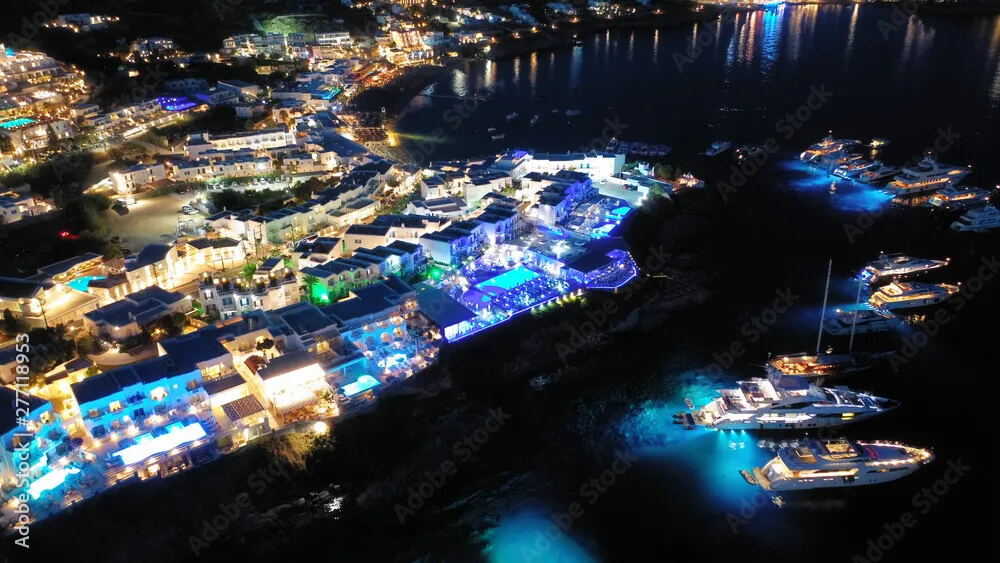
508	280
15	123
364	383
82	283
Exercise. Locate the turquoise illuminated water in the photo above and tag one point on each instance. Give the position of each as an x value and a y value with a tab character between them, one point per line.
82	283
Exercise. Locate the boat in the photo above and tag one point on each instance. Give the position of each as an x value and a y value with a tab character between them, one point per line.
826	364
784	402
853	169
826	146
861	321
498	136
555	111
978	220
898	265
838	462
927	175
878	143
534	119
836	159
904	295
953	197
572	112
490	129
512	115
879	172
749	151
718	147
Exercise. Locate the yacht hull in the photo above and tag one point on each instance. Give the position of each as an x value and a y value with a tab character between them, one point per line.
834	482
817	422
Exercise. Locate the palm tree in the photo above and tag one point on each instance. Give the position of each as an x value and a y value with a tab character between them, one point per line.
309	282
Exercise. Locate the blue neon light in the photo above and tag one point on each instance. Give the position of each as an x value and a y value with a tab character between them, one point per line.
146	445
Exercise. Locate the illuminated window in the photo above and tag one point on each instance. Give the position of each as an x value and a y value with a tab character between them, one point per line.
115	406
158	394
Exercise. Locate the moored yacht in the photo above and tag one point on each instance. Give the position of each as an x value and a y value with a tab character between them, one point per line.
826	146
512	115
821	365
836	159
854	168
786	402
861	321
927	175
748	151
978	220
960	196
879	172
497	136
902	295
718	147
897	265
837	462
878	143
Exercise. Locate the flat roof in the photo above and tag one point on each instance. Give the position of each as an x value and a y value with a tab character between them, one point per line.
440	307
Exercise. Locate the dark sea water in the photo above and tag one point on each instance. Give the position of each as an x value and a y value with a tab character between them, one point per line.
681	497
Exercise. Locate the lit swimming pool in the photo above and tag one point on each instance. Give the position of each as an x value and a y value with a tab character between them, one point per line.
81	284
508	280
364	383
15	123
621	211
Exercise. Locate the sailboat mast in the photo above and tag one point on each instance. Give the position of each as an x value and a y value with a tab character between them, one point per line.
822	316
854	322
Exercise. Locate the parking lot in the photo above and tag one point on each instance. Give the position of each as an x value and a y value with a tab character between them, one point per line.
152	220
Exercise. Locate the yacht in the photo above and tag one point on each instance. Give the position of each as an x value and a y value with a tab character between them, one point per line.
878	143
927	175
512	115
821	365
555	111
902	295
978	220
960	196
498	136
879	172
838	462
854	169
861	321
718	147
826	146
534	119
748	151
572	112
490	129
785	402
896	265
836	159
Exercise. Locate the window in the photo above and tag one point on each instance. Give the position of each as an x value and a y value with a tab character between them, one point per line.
115	406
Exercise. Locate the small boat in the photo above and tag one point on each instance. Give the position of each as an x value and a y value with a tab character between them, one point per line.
878	143
512	115
879	172
534	119
956	197
572	112
498	136
490	129
749	151
555	111
718	147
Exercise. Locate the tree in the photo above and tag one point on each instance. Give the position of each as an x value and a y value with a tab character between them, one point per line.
6	146
309	281
12	324
248	271
86	346
656	191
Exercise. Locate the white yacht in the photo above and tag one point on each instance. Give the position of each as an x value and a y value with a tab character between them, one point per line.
826	146
785	402
961	196
854	168
879	172
718	147
903	295
498	136
512	115
534	119
838	462
896	265
927	175
836	159
978	220
861	321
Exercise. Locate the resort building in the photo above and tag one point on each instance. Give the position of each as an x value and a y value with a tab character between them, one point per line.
242	225
254	140
44	303
32	447
15	207
65	270
127	318
233	297
156	264
453	245
134	178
